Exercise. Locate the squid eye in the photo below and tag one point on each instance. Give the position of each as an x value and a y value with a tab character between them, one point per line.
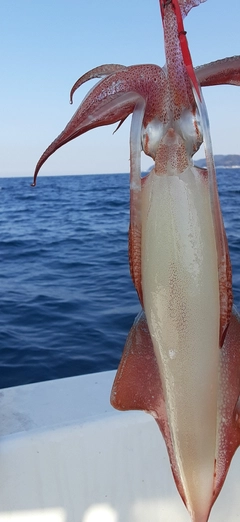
189	128
152	134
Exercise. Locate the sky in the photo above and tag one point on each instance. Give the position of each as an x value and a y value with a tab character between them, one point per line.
45	46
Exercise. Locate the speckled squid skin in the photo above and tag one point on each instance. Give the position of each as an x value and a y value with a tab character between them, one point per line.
182	356
181	302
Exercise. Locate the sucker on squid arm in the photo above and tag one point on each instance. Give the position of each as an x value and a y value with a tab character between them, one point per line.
182	356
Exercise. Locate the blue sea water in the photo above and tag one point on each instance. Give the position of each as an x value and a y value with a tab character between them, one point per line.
67	300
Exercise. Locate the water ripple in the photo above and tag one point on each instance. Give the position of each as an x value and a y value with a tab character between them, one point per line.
67	300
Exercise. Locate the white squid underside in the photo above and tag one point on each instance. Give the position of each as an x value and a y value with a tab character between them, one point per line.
181	302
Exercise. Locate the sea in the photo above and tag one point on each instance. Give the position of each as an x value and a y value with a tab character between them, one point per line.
67	300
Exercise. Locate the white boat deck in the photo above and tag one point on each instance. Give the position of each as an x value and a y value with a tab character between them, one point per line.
67	456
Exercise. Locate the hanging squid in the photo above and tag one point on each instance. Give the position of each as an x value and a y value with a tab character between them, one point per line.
181	362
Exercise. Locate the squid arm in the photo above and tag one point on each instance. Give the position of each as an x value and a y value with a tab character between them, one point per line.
108	102
226	71
182	356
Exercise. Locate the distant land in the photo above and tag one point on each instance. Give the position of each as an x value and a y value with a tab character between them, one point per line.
229	161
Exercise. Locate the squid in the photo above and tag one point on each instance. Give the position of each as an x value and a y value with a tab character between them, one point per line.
181	361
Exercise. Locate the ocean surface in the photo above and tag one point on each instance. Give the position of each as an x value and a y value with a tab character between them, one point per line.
67	300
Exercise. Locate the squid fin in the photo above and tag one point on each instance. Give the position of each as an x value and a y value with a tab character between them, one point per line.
229	414
137	385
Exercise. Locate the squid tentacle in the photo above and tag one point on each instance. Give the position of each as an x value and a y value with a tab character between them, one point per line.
224	265
135	195
98	72
226	71
110	112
